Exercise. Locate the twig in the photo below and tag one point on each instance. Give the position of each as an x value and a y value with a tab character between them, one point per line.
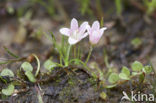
20	91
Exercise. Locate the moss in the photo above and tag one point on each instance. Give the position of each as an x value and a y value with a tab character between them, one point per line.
91	80
58	81
71	82
65	94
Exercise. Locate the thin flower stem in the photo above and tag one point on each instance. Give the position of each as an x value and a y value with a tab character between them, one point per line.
78	55
60	59
62	49
67	56
62	43
89	54
74	51
85	65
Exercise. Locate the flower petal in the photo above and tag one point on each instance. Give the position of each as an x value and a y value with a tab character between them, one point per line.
74	24
65	31
94	37
84	35
89	29
102	30
83	27
96	25
72	41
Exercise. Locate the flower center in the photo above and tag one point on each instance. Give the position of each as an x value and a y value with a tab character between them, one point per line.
76	35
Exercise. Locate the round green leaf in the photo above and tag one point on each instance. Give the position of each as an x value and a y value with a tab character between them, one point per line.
30	76
124	76
7	72
136	42
8	91
27	66
125	70
147	69
113	78
137	66
49	65
10	10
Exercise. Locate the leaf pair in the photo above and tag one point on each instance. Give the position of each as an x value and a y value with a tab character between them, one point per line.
137	68
10	89
27	67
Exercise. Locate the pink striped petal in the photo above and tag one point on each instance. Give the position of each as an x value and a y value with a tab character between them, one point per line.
84	35
72	41
83	27
102	30
94	37
65	31
89	30
96	25
74	24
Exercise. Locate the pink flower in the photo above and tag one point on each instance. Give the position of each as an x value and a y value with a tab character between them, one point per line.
95	33
75	33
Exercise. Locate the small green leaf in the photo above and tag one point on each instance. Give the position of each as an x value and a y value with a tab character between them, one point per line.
103	95
125	70
113	78
147	69
10	10
30	76
27	66
136	42
49	65
7	72
111	86
8	91
137	66
124	76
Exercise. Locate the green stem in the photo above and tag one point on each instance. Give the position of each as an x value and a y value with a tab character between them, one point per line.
78	55
89	54
85	65
74	51
11	53
81	62
62	49
38	64
62	43
67	56
106	59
